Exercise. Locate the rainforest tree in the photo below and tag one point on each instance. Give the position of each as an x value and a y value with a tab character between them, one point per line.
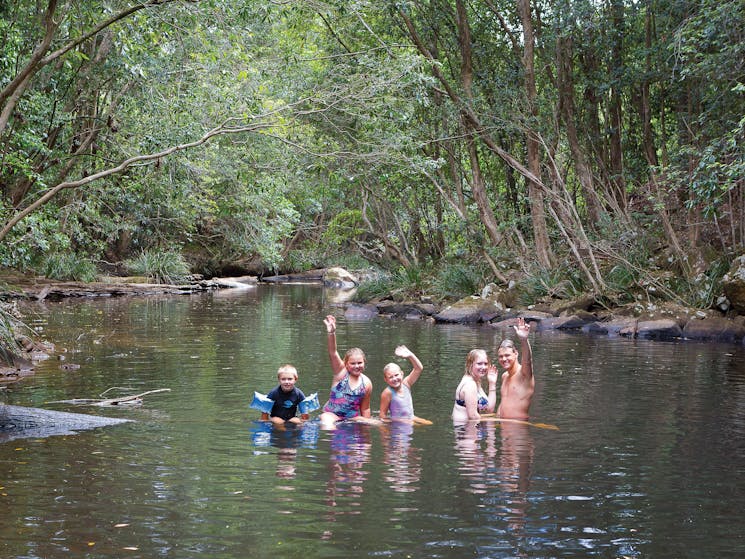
601	141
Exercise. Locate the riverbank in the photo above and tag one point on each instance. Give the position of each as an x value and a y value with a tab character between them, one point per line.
494	307
17	286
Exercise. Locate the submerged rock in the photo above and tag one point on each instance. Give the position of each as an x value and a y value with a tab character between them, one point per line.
18	422
613	327
664	329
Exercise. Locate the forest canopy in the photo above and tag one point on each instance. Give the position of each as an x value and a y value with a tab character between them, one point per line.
588	146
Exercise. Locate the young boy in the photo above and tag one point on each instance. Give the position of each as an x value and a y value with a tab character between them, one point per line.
286	398
396	397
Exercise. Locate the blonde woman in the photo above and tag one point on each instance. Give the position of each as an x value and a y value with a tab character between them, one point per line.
470	398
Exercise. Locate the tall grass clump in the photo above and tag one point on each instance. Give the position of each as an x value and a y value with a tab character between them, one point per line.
68	267
375	286
161	266
400	284
562	282
457	280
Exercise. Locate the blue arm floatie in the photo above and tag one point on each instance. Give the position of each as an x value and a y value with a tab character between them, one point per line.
309	404
261	403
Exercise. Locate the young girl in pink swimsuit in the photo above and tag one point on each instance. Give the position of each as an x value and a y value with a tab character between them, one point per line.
350	388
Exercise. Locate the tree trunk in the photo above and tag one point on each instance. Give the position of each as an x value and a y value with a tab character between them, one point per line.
478	187
646	110
567	111
615	108
535	195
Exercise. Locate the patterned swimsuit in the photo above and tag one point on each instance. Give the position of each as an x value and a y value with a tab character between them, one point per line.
344	401
481	404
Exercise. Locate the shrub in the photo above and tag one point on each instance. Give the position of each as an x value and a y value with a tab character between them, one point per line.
457	280
377	286
562	282
69	267
165	266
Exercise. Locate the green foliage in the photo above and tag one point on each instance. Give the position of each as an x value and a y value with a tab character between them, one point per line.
562	282
68	266
10	326
378	286
402	283
455	280
344	226
719	172
450	281
353	152
702	291
164	266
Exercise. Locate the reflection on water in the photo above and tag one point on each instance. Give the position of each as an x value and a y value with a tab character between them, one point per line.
404	460
475	446
648	460
515	467
349	455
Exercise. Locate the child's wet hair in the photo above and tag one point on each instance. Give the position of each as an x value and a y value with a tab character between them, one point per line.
390	367
287	369
352	351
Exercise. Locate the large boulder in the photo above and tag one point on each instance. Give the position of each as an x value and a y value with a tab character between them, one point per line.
506	323
714	328
339	278
733	284
470	309
504	298
572	322
663	329
579	306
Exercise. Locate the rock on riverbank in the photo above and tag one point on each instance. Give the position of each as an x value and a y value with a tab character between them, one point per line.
493	307
661	322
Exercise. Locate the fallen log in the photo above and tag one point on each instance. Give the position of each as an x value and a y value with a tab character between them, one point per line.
133	399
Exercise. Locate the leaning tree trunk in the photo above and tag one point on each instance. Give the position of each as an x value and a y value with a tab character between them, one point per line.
480	195
535	194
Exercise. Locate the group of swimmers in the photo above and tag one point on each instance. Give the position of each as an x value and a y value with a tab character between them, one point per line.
351	389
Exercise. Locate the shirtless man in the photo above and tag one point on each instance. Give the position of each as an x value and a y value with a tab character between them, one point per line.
518	382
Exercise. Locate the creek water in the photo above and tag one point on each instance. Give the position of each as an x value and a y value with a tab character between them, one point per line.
648	459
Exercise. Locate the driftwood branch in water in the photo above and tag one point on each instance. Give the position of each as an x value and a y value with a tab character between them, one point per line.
134	399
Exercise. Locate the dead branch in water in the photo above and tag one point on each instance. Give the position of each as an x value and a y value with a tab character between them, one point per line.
132	400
